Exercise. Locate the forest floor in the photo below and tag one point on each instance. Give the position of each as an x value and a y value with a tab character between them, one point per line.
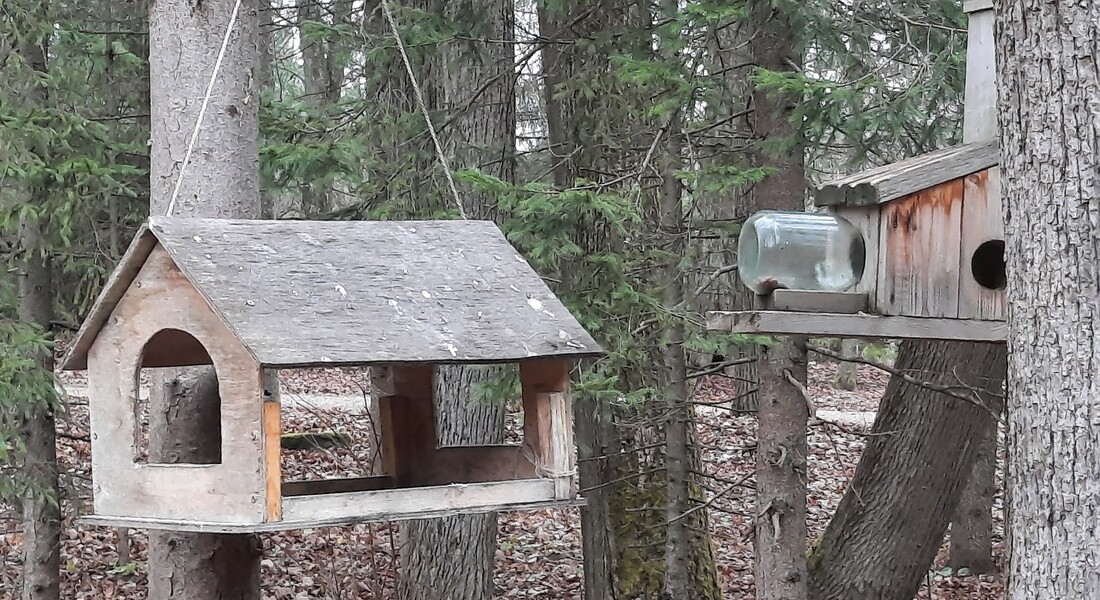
539	554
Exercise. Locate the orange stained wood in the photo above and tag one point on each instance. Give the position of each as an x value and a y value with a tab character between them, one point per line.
272	468
920	241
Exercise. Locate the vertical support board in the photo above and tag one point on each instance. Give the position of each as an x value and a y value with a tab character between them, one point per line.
919	272
866	220
982	224
407	411
272	432
548	422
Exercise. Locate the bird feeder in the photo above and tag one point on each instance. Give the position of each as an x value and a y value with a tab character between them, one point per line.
401	297
913	249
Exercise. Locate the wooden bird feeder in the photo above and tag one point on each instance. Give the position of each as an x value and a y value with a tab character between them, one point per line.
913	249
402	297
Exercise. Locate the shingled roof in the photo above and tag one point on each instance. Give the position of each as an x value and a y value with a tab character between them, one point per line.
306	293
895	180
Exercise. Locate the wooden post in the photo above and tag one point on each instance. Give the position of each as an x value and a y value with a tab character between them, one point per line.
407	414
548	422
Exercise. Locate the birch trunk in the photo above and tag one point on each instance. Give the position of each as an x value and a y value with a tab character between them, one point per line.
222	180
1048	76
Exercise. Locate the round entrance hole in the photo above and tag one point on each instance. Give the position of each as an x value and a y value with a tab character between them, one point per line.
988	265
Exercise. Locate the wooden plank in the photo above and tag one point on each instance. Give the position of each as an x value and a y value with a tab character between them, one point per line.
860	326
548	421
407	414
817	301
475	464
117	284
418	503
980	99
973	6
373	292
338	521
982	224
334	486
233	491
866	220
893	181
918	272
272	442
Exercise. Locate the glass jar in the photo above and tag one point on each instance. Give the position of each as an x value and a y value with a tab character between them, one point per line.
799	251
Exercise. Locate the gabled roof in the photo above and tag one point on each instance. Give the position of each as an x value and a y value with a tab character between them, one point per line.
305	293
893	181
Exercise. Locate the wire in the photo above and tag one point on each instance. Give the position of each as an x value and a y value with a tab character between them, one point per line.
423	108
202	109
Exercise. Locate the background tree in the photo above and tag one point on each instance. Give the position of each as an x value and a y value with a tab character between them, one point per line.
1051	193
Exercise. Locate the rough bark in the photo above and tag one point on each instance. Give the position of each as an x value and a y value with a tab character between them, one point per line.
1049	83
222	180
41	502
781	451
780	559
452	558
322	90
847	375
892	518
972	524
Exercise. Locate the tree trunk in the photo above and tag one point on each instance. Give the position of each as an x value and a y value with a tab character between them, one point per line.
452	558
221	181
781	451
890	522
41	501
972	524
847	375
780	527
41	508
1049	86
321	92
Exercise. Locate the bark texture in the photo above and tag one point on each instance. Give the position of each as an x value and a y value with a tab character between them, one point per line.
452	558
847	376
782	411
222	180
972	525
41	511
781	451
893	516
1049	85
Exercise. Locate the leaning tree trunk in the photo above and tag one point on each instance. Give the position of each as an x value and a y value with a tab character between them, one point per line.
41	502
1049	83
222	180
452	558
892	518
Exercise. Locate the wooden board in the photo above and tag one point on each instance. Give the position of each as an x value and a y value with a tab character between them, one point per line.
233	491
336	486
862	326
272	432
893	181
307	293
982	222
407	414
336	510
548	421
918	273
980	99
817	301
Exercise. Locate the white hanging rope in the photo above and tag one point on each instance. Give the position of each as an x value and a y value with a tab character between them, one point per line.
423	108
202	109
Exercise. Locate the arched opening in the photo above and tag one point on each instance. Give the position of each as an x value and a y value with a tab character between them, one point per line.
988	265
176	398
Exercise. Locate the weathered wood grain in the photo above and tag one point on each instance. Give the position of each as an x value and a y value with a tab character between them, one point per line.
893	181
233	491
981	222
817	301
272	432
335	486
918	272
391	512
407	413
842	325
866	219
548	421
305	293
980	99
